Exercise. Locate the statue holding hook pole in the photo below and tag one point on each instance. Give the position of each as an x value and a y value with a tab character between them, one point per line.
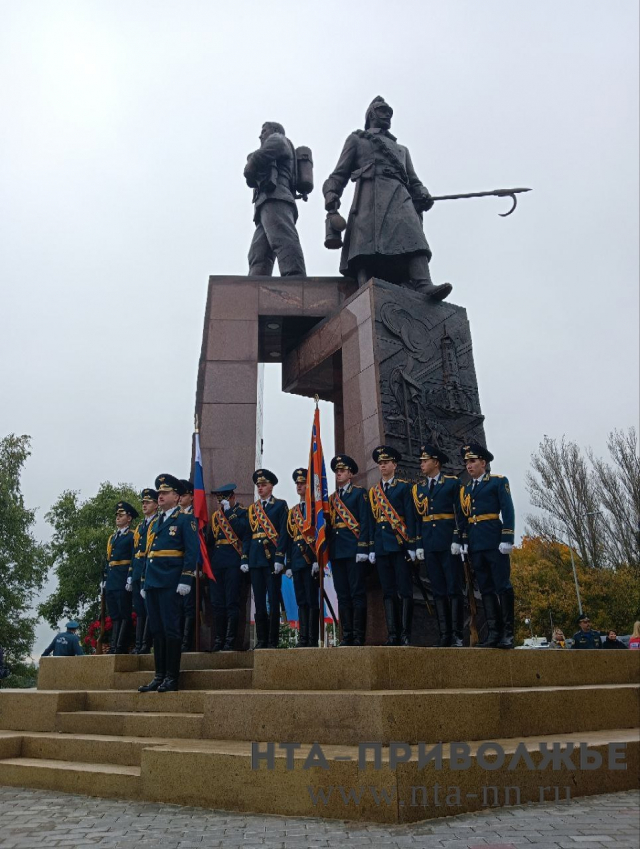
383	235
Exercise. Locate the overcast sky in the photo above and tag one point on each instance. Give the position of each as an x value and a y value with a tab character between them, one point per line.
124	130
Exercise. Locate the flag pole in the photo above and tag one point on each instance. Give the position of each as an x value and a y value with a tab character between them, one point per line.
198	617
321	572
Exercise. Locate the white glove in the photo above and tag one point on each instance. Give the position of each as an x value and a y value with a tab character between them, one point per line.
362	558
372	557
315	569
225	504
244	567
183	589
412	555
464	549
103	584
420	553
455	549
505	548
278	567
143	593
128	586
289	573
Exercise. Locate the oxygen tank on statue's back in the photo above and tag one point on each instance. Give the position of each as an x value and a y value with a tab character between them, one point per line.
304	170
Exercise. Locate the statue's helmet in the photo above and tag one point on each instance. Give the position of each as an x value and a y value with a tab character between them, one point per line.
375	104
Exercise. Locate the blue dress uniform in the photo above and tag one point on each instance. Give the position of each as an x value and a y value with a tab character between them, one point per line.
349	531
488	521
437	504
136	575
587	639
65	645
188	616
172	556
299	558
119	559
394	536
224	542
260	552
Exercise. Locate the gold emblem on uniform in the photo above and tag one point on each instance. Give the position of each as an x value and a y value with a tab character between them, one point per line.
173	530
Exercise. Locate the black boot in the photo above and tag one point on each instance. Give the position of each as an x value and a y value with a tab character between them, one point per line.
506	608
174	651
274	629
314	627
232	627
303	620
359	625
220	621
115	633
346	620
457	621
122	646
407	621
492	617
140	623
187	633
146	638
443	615
160	658
390	614
262	631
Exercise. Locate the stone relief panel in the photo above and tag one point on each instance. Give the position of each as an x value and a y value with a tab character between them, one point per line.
428	385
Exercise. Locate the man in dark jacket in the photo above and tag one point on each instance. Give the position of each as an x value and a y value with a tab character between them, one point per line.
271	173
585	638
66	644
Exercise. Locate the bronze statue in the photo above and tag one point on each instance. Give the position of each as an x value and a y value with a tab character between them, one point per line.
384	236
274	172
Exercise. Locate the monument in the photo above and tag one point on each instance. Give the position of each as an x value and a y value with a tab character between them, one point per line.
380	341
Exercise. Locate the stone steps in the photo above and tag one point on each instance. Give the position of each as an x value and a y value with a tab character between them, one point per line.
90	779
190	679
196	660
131	724
127	701
347	717
220	774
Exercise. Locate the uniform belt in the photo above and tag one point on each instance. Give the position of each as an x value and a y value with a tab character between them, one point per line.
340	525
119	563
223	542
434	517
166	552
258	536
484	517
139	554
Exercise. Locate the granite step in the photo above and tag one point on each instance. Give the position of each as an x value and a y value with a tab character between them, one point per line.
190	679
90	779
134	724
129	701
347	717
199	660
88	748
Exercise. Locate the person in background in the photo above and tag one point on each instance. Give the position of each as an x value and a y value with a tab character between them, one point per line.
65	644
558	640
634	641
612	641
585	638
4	670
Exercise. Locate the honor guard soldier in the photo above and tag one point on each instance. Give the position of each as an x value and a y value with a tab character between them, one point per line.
229	526
487	529
349	547
437	503
394	544
172	556
136	570
188	602
302	566
119	558
261	558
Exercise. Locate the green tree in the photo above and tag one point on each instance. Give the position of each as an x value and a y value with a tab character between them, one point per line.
544	588
23	561
78	547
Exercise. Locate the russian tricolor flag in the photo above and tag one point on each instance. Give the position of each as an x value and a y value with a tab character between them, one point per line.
200	509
